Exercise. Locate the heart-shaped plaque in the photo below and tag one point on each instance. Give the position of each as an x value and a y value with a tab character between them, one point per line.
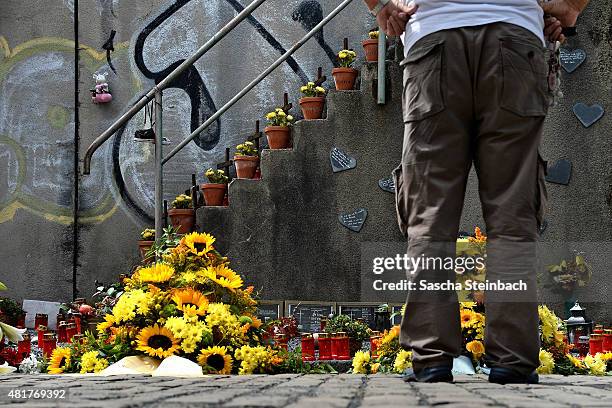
560	172
588	115
341	161
571	59
354	220
387	184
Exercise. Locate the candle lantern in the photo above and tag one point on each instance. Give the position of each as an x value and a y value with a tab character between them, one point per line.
24	347
583	345
325	346
59	319
308	350
41	319
374	343
598	329
49	344
578	324
607	341
595	344
70	331
343	350
281	341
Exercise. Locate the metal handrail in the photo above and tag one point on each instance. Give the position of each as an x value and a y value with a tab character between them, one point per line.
257	80
165	82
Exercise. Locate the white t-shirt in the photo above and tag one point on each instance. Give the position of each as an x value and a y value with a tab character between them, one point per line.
436	15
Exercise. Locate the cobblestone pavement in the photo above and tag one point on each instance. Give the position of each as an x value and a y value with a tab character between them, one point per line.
311	391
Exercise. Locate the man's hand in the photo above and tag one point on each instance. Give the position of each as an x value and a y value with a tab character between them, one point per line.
566	11
393	18
552	30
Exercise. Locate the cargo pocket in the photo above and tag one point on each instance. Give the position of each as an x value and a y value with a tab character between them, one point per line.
542	194
401	203
422	95
525	78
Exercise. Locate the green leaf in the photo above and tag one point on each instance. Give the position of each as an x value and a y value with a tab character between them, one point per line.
3	286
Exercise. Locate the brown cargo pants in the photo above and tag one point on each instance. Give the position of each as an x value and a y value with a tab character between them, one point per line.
474	94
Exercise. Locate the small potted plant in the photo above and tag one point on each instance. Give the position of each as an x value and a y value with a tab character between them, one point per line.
278	129
370	46
147	239
182	214
246	160
214	192
345	75
313	100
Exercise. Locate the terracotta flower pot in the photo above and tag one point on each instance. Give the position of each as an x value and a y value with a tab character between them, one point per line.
312	106
370	46
279	137
143	248
246	166
183	219
214	193
344	78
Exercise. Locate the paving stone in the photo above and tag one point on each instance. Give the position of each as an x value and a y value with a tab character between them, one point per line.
327	402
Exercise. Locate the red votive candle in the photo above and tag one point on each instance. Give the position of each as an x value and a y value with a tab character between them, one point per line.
24	347
61	332
607	341
70	331
308	349
49	344
325	346
343	346
21	321
77	321
595	344
41	333
41	319
334	345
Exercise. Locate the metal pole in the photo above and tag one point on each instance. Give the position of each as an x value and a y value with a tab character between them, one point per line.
165	82
382	72
159	168
257	80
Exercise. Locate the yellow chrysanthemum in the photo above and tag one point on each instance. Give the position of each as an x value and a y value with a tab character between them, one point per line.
402	361
595	364
156	273
476	348
199	243
224	276
575	361
132	303
361	362
271	115
190	302
157	342
90	363
216	360
547	362
59	361
109	320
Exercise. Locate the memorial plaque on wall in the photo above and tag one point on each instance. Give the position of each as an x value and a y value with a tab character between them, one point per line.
309	314
354	220
363	311
341	161
396	308
268	310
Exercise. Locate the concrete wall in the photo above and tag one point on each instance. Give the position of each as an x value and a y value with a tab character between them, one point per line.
39	126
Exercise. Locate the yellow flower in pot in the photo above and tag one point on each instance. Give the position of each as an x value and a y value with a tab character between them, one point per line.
370	46
214	191
278	130
147	239
313	100
246	160
182	214
345	76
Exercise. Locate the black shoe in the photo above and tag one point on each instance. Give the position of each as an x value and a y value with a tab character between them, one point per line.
501	375
431	375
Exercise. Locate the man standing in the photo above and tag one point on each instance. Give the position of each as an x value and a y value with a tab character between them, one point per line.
475	91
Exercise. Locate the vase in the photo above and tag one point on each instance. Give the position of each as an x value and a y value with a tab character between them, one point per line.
312	106
344	78
246	166
370	47
143	248
214	193
183	219
279	137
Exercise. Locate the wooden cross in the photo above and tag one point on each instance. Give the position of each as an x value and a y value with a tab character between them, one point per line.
286	105
165	213
346	44
320	77
194	192
256	136
227	164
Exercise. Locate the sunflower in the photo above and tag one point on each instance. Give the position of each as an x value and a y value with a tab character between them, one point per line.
59	361
190	302
224	276
157	341
155	273
217	359
109	320
199	244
